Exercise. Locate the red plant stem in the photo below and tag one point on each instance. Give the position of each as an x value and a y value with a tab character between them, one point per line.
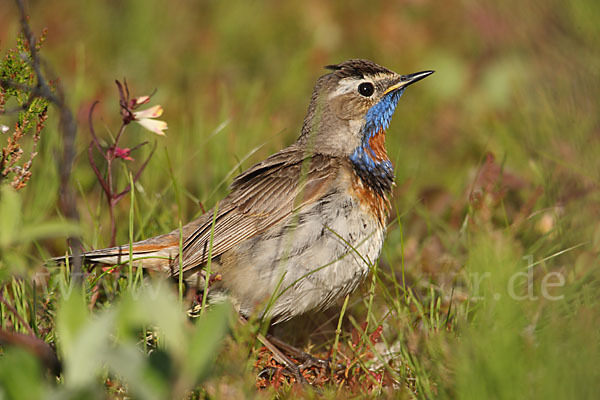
95	169
110	156
109	198
119	134
113	226
119	196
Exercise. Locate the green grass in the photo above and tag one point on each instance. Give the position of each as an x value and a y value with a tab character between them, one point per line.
519	80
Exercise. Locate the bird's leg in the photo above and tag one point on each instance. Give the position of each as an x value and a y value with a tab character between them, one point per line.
279	356
307	359
283	359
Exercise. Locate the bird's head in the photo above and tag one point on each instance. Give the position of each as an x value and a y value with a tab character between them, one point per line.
351	108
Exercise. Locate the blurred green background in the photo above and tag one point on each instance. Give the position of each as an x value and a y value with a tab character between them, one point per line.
518	79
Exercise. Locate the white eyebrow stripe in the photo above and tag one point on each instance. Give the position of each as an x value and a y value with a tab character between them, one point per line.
350	84
347	85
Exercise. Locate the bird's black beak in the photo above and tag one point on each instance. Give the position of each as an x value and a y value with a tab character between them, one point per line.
409	79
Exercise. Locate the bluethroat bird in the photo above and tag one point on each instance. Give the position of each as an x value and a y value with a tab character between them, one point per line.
302	227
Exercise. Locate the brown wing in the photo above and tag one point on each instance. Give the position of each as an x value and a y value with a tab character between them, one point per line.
262	196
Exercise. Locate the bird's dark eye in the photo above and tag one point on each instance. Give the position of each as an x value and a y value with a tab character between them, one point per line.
366	89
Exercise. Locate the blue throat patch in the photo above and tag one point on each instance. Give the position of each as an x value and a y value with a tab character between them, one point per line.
376	172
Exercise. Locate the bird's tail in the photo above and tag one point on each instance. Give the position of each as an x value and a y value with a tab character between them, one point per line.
156	253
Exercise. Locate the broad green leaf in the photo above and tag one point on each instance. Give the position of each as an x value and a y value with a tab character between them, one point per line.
154	305
209	332
92	343
132	365
20	375
48	229
72	316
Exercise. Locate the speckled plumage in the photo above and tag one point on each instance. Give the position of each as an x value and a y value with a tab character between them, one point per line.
303	227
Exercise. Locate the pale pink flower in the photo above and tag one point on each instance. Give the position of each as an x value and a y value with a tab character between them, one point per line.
138	101
146	118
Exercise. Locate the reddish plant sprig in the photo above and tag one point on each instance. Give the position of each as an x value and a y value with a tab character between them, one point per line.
129	114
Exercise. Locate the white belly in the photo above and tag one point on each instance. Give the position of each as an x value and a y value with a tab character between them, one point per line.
319	255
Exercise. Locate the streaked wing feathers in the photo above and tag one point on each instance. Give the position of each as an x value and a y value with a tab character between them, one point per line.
260	197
